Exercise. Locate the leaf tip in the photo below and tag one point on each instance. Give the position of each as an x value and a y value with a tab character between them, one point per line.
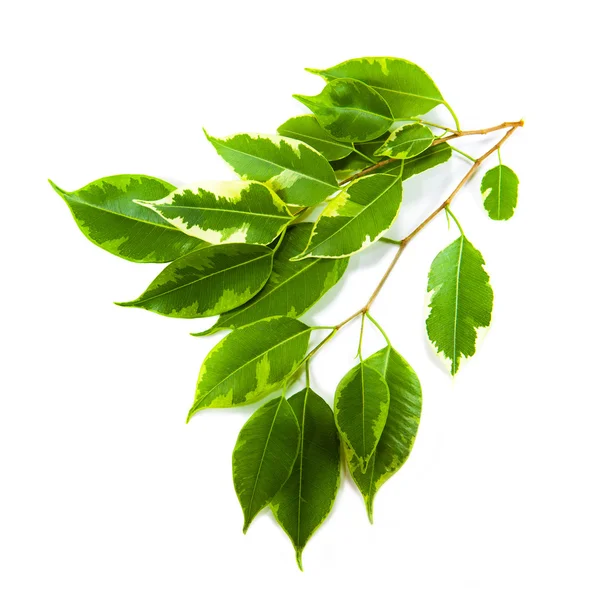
58	190
313	71
299	559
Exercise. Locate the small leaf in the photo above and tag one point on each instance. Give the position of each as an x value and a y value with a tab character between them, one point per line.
398	436
362	400
250	363
208	282
500	187
297	172
225	212
264	455
106	214
407	141
356	218
307	497
461	301
306	128
350	110
294	286
407	89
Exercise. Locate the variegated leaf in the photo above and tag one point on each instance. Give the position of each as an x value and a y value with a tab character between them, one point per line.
250	363
225	212
293	169
500	188
294	286
307	497
208	282
407	141
356	218
432	157
307	129
461	301
264	455
350	110
362	400
408	90
398	435
106	214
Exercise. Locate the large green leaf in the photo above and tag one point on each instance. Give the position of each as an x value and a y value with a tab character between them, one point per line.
208	282
106	214
307	497
461	302
225	212
306	128
408	90
350	110
294	286
407	141
356	218
293	169
500	187
362	401
250	363
398	435
264	455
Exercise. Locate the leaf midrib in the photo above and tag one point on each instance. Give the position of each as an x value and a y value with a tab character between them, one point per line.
332	141
226	210
458	269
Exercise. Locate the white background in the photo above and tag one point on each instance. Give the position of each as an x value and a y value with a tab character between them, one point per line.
106	493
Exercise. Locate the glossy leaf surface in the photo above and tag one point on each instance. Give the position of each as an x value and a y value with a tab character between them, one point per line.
225	212
264	455
293	287
107	215
362	400
402	422
407	141
461	301
250	363
208	282
307	497
293	169
307	129
357	217
432	157
500	188
350	110
408	90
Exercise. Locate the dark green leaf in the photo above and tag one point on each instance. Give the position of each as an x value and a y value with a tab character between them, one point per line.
500	187
407	141
208	282
350	110
264	455
293	169
362	400
106	214
294	286
432	157
398	436
461	301
250	363
306	128
307	497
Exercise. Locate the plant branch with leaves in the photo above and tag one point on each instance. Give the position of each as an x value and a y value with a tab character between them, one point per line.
247	252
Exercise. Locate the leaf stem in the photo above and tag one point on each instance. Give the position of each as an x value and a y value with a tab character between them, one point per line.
453	115
455	149
449	212
360	339
370	317
373	162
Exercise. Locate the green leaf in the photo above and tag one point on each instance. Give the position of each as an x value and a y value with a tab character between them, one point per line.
461	301
407	89
294	286
307	497
106	214
306	128
432	157
500	187
362	400
208	282
350	110
297	172
350	165
407	141
356	218
264	455
225	212
398	436
250	363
